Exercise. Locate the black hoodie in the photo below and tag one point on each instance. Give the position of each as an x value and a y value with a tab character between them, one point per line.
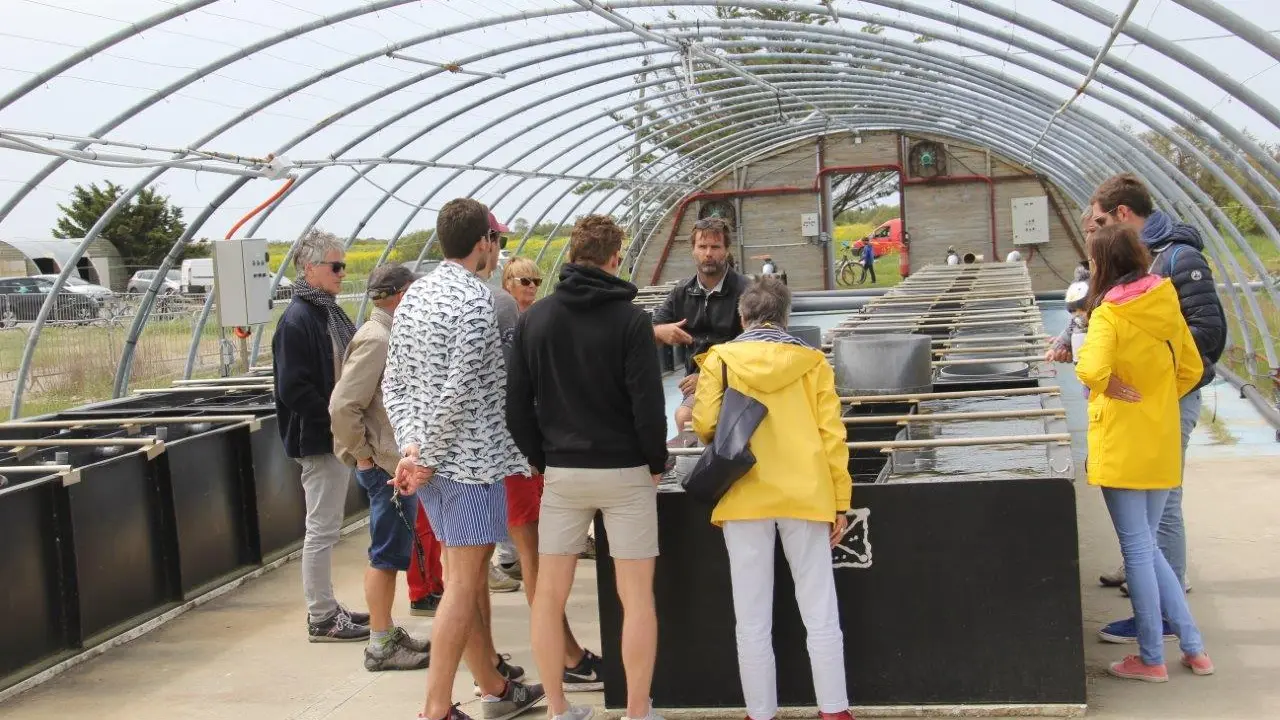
584	389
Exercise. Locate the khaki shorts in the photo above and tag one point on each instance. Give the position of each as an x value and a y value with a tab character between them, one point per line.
626	496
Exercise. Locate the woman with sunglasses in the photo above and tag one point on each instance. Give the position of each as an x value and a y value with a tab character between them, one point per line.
522	279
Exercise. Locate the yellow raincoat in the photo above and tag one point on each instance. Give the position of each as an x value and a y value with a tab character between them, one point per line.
802	463
1138	334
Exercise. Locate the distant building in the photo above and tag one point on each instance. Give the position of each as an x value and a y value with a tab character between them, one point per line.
101	264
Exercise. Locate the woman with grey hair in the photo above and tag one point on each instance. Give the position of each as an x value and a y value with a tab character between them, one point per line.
306	352
799	488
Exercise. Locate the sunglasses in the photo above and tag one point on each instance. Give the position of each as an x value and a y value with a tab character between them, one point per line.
711	223
499	238
337	265
527	281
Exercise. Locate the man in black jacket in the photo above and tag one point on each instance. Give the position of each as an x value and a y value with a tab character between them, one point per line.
703	310
306	350
1177	252
585	405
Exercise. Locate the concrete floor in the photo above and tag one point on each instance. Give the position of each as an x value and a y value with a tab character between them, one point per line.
244	656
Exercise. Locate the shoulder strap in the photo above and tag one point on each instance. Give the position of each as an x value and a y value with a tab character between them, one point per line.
724	374
1173	257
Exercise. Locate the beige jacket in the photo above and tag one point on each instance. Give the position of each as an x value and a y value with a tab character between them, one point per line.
361	429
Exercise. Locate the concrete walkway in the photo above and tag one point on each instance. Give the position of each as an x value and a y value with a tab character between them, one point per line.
244	656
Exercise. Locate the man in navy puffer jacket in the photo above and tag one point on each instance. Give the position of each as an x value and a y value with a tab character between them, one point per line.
1177	252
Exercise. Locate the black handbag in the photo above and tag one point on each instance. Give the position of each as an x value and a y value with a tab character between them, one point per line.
729	456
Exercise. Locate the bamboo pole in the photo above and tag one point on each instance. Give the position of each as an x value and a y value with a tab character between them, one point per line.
50	469
952	395
200	388
221	381
125	422
952	417
888	445
78	442
985	361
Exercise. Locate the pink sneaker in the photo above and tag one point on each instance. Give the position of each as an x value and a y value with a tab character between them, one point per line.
1132	668
1198	664
845	715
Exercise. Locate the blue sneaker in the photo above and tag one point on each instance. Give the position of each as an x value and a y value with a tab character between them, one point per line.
1126	631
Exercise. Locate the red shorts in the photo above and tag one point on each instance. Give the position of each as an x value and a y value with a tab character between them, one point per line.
524	499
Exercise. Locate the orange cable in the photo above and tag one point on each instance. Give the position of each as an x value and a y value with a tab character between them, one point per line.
266	204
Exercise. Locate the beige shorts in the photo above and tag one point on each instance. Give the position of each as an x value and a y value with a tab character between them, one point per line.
627	497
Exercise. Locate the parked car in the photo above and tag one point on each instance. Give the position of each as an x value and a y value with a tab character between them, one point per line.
22	297
141	280
885	239
84	287
197	275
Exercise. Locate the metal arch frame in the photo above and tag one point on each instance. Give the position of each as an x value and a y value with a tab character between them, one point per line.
324	22
488	181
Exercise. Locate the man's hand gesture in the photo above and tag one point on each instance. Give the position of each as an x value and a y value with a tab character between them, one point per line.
672	333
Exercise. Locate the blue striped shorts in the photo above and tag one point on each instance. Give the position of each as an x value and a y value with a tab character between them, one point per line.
465	514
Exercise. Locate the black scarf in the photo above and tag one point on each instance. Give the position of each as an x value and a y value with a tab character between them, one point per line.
341	329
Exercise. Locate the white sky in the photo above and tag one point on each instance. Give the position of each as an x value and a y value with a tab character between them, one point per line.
37	33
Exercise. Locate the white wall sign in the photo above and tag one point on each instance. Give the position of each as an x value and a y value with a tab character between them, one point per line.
809	224
1031	220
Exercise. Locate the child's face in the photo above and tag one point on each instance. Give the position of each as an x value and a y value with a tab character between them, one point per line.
1081	314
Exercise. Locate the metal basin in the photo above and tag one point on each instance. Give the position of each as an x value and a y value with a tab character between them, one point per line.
882	364
810	335
985	371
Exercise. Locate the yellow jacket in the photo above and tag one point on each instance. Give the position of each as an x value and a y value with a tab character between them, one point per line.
1138	334
802	463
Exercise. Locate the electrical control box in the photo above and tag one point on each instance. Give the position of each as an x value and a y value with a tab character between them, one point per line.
1030	220
242	282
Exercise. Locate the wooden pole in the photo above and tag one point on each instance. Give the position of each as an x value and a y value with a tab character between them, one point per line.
952	417
953	395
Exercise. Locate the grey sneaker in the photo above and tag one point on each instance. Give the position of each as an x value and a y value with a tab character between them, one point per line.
337	628
401	637
500	583
575	712
517	700
1112	579
395	657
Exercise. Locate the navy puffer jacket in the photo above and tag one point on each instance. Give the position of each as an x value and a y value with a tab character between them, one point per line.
1179	255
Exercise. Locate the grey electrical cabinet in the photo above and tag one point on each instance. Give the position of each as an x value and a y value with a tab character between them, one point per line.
242	282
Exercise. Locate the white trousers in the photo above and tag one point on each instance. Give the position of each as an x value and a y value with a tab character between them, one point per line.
808	552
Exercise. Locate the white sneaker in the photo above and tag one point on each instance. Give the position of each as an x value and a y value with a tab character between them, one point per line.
575	712
651	715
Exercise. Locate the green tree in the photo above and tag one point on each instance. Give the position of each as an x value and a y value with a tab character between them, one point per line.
142	232
409	246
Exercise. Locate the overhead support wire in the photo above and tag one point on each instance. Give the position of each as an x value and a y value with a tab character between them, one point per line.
695	50
1093	70
450	66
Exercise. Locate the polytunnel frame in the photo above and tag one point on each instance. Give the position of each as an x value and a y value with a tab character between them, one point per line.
508	190
1210	11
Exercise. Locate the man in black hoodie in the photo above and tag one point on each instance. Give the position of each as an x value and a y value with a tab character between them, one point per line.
585	405
1177	252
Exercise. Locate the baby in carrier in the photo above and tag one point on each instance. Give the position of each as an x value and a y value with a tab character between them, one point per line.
1072	337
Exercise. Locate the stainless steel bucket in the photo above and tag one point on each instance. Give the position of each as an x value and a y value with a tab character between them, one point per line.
882	364
810	335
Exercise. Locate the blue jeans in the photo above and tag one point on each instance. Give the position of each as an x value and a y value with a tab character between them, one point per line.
390	539
1153	588
1172	535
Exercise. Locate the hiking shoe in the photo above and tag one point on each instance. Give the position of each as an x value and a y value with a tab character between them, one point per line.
426	607
512	570
394	657
516	700
500	583
590	552
455	713
1126	631
401	637
585	676
1112	579
512	673
1132	668
575	712
356	618
1198	664
336	628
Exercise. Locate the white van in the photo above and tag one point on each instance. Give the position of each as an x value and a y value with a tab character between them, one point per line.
197	275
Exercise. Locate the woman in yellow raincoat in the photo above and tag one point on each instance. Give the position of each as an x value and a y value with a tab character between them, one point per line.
1138	337
799	488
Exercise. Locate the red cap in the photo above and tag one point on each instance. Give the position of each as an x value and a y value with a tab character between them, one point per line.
495	226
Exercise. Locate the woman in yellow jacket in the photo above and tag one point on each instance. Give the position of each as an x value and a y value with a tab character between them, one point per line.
1137	336
799	488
